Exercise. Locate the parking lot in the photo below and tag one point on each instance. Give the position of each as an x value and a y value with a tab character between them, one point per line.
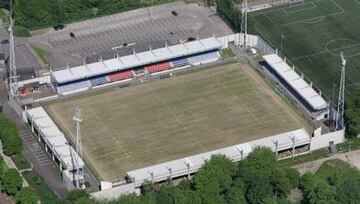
138	28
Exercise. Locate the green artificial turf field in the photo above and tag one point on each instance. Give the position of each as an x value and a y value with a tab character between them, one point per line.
312	35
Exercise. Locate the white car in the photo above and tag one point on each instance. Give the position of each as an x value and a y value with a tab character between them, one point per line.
252	51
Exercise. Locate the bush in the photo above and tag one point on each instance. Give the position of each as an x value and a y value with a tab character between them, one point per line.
12	182
9	136
27	195
21	32
20	161
42	190
76	194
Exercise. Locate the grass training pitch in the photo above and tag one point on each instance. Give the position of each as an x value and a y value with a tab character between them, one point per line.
129	128
312	35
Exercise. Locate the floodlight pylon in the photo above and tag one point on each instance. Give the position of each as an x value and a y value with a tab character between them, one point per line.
341	99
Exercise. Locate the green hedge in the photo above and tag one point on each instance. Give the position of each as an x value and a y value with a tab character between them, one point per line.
9	136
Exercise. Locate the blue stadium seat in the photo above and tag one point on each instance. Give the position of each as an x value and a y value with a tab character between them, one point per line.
73	86
98	81
180	62
204	57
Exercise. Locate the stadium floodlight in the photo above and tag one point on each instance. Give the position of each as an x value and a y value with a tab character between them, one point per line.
341	100
13	83
78	120
243	29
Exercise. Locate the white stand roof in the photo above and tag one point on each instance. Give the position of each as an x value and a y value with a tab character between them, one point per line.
296	82
136	60
54	138
180	167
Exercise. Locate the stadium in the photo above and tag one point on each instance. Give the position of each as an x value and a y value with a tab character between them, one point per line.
160	114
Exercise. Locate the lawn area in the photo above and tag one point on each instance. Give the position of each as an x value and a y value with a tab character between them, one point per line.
336	168
42	54
130	128
312	36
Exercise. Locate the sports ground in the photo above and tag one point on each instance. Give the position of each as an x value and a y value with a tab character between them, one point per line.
129	128
312	35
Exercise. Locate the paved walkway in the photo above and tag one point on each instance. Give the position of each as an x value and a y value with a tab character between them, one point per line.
352	157
5	199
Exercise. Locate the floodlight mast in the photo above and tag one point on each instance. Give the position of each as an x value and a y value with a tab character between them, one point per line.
13	84
78	119
243	29
341	99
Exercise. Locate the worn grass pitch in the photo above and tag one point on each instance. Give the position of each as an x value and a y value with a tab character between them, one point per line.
312	36
130	128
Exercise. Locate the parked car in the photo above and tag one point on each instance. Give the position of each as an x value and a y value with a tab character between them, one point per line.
191	39
174	13
72	35
6	41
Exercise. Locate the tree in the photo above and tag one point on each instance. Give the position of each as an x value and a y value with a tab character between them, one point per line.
27	195
236	194
316	190
258	191
214	178
352	113
9	136
280	182
5	4
348	191
12	182
293	176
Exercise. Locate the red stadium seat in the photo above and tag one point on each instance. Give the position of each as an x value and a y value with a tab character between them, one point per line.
159	67
120	76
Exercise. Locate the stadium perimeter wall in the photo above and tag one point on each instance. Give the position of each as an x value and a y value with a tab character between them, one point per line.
319	141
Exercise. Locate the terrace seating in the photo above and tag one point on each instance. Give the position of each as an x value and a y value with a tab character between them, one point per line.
204	58
73	86
180	62
163	66
97	81
118	76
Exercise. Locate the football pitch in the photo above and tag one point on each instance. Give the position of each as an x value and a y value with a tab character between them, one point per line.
312	35
129	128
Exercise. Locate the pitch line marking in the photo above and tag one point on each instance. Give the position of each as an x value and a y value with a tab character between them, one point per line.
244	106
300	10
342	10
111	134
176	117
326	51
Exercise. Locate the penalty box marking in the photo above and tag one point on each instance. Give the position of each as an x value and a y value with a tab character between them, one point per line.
300	10
341	11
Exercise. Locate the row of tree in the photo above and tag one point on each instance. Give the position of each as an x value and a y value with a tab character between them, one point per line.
257	179
12	185
11	181
43	13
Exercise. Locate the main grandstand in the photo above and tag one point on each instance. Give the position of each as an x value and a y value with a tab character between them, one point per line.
88	76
